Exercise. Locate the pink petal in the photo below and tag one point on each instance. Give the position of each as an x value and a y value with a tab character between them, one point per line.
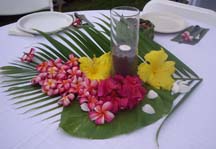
107	106
66	102
93	115
98	108
50	92
91	105
123	102
94	83
67	86
56	91
83	100
71	96
101	87
109	116
100	120
61	90
94	92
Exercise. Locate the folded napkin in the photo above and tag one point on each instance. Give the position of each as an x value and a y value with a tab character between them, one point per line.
17	32
191	35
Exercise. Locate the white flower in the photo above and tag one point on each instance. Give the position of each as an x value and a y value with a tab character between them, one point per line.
180	87
152	94
148	109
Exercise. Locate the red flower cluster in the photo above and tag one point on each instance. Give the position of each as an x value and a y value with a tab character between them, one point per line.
123	93
114	94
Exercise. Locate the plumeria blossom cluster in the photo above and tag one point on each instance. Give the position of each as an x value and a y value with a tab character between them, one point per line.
101	98
57	77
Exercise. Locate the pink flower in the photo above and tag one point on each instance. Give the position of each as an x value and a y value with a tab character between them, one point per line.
66	100
42	67
49	84
28	57
75	71
73	61
102	113
62	74
186	36
58	63
92	102
52	71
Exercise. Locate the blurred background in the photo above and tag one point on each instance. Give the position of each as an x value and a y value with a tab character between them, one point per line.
77	5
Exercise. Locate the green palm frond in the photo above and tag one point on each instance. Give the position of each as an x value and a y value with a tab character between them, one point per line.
88	41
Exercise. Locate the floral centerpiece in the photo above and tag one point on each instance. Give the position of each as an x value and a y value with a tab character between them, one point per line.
76	74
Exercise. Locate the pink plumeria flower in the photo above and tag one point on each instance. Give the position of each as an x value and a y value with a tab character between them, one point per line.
36	80
49	84
102	114
66	100
42	67
92	102
62	74
75	71
66	83
51	63
28	57
91	86
58	62
73	61
186	36
52	71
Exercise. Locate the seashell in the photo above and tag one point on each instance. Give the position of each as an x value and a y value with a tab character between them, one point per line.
148	109
152	94
180	87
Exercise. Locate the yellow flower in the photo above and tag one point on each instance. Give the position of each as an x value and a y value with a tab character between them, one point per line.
96	68
157	71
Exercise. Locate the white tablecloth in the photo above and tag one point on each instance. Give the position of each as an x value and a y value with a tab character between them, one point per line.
193	126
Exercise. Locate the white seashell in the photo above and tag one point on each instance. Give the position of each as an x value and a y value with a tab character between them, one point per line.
180	87
85	107
184	88
197	37
152	94
148	109
183	82
175	88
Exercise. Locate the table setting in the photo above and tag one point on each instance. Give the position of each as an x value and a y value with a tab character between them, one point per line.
107	78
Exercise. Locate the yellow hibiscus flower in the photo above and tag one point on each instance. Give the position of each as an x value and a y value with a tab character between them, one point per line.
156	71
96	68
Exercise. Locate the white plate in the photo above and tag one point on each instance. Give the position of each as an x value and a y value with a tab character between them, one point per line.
48	22
165	23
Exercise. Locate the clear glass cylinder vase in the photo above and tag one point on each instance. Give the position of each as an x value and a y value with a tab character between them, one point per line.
124	39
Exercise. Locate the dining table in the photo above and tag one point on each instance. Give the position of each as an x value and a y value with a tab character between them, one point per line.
191	126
